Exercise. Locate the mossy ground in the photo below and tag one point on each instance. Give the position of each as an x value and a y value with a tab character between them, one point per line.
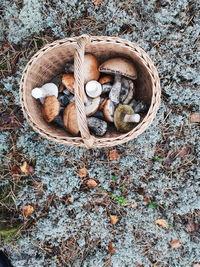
156	175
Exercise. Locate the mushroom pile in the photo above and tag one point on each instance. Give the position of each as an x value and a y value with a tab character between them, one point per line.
109	97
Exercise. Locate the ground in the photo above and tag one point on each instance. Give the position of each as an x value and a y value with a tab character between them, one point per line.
154	177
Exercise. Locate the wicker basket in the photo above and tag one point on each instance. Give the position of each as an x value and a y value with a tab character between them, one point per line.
49	62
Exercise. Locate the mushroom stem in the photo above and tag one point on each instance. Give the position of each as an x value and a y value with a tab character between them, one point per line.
116	89
132	118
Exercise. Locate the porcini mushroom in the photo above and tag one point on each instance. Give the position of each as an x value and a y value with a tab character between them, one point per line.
68	81
92	106
125	119
93	89
108	110
91	65
70	119
50	108
120	66
116	89
48	89
97	126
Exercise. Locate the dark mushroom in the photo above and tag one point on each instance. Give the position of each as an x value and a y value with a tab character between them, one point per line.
97	126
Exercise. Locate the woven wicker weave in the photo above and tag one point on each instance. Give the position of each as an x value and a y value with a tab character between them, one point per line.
50	61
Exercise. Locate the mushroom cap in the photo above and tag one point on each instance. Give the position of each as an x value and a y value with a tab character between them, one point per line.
108	110
106	79
120	66
92	106
70	119
50	89
68	81
37	93
50	108
91	65
119	115
93	89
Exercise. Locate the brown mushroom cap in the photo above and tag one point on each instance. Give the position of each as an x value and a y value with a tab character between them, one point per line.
70	119
91	65
68	81
120	66
108	110
50	108
106	79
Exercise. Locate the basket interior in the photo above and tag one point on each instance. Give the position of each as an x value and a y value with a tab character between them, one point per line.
45	67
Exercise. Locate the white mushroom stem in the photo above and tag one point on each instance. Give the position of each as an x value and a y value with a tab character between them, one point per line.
132	118
47	89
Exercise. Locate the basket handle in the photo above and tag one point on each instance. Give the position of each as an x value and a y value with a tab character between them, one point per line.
79	94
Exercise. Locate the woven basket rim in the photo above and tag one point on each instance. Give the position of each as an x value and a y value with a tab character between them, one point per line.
103	141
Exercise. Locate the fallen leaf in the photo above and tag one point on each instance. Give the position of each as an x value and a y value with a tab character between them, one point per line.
15	170
176	243
28	210
194	117
114	155
114	219
163	223
192	227
91	183
70	200
82	173
97	2
111	249
178	153
25	168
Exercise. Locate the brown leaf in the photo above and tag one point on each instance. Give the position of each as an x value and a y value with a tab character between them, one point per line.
192	227
111	249
163	223
178	153
15	170
176	243
28	210
91	183
194	117
25	168
97	2
114	155
114	219
82	173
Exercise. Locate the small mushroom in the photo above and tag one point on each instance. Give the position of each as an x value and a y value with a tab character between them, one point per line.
125	118
128	91
138	106
116	89
93	89
91	65
68	81
120	66
106	79
97	126
70	119
50	108
108	110
92	106
48	89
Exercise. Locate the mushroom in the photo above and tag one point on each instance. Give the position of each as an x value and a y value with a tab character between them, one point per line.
48	89
99	114
92	106
128	91
59	121
93	89
97	126
70	119
102	102
68	81
120	66
91	65
125	118
50	108
116	89
106	79
106	87
108	110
